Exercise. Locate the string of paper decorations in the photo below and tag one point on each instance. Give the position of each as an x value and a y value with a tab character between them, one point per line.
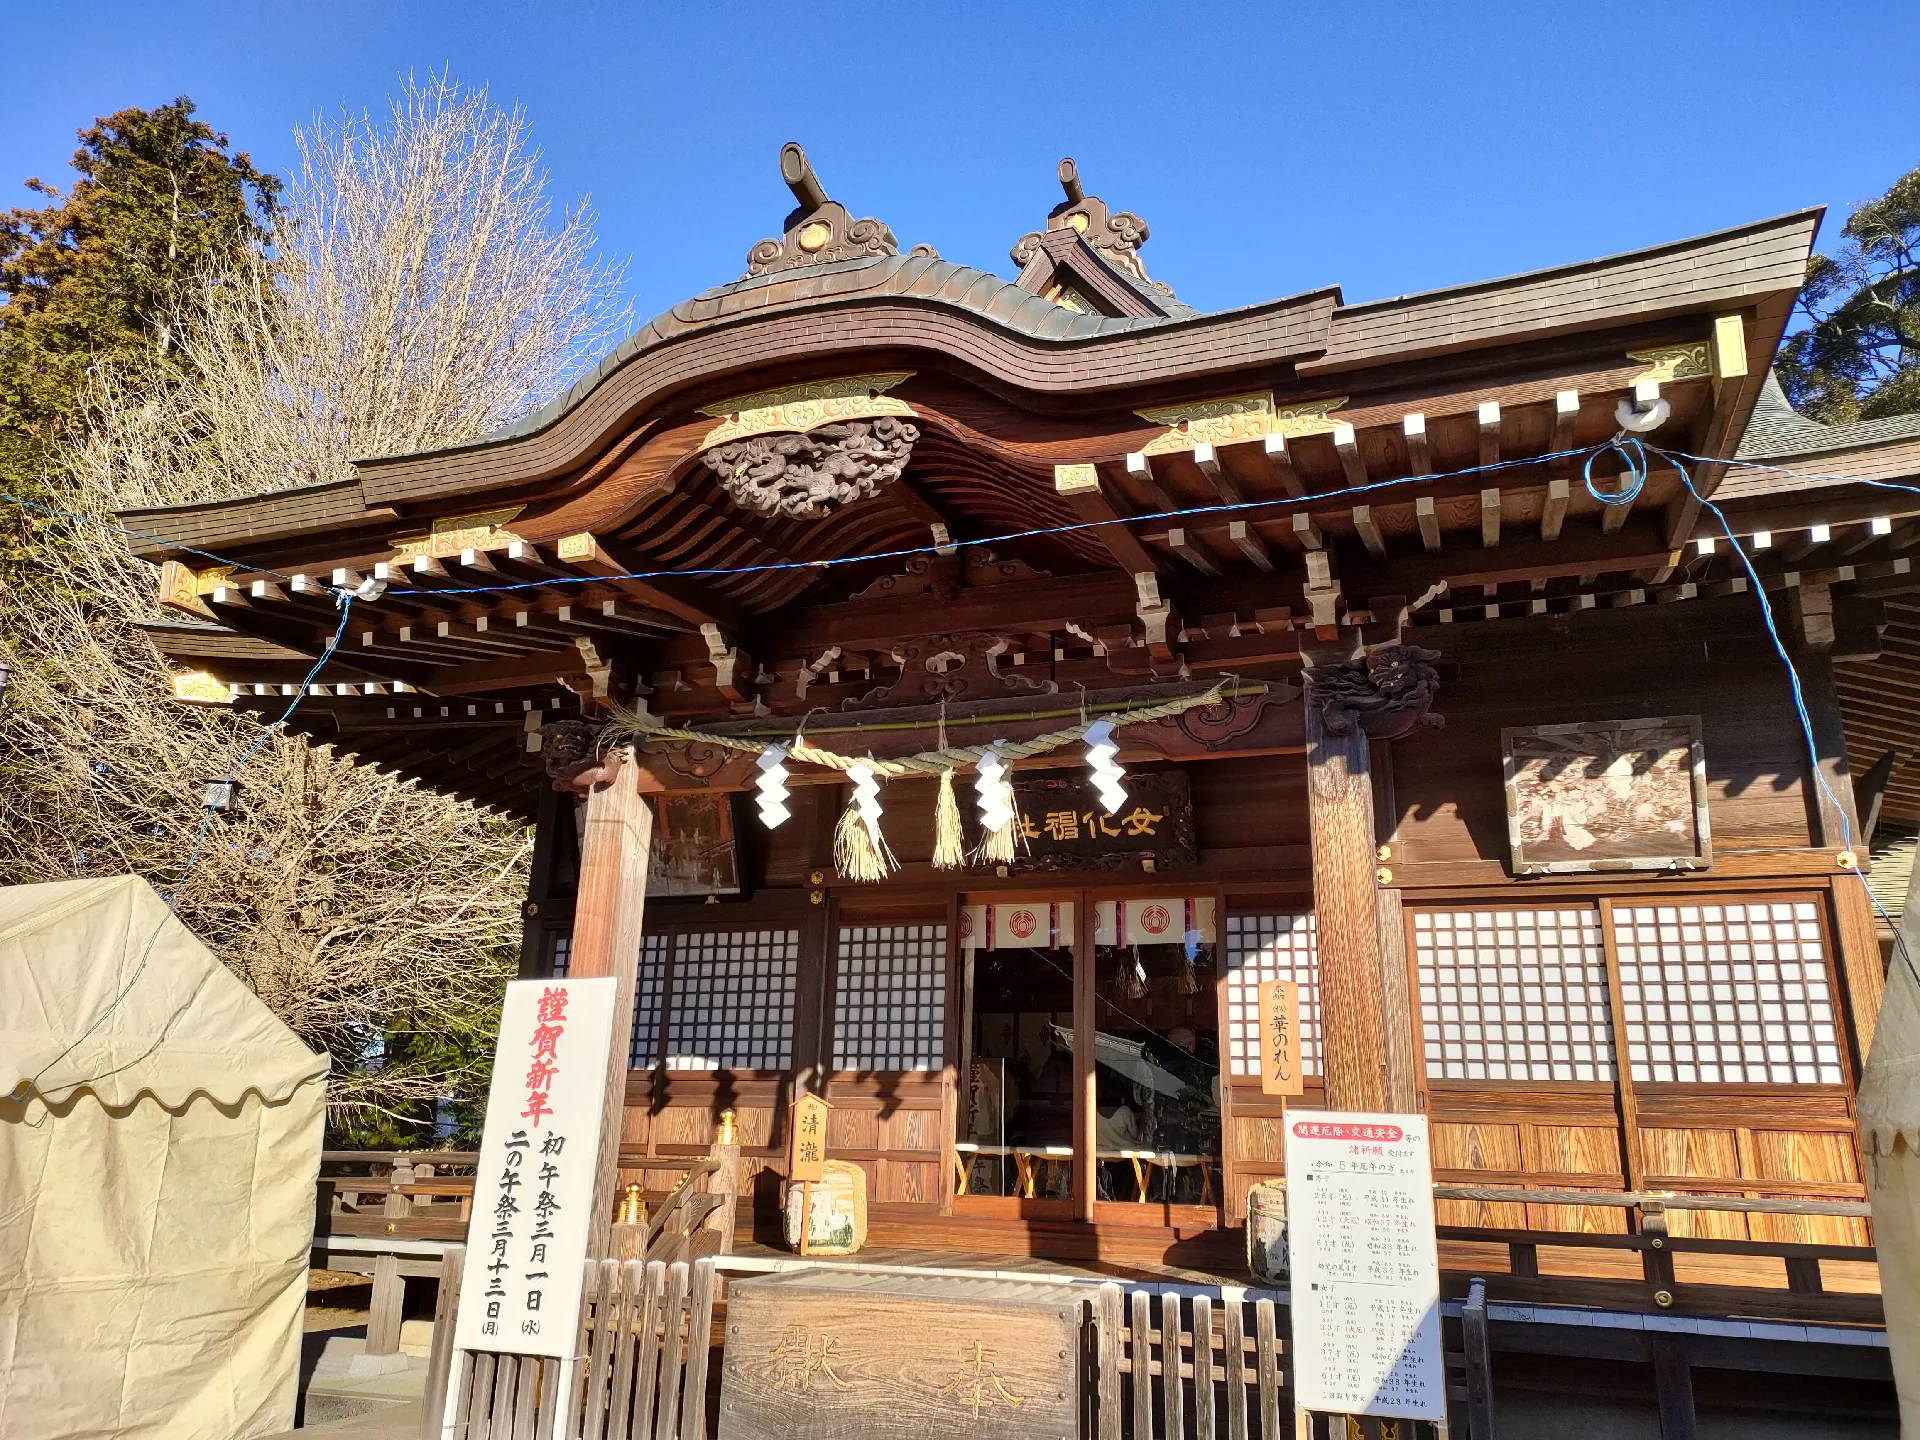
860	848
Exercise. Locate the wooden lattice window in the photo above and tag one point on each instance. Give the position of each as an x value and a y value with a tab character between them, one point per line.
890	998
649	983
643	1049
1513	994
729	1000
1727	994
1270	947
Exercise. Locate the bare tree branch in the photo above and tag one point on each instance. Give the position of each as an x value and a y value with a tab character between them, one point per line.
418	292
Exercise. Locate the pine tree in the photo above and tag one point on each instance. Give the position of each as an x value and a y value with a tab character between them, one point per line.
1859	356
97	273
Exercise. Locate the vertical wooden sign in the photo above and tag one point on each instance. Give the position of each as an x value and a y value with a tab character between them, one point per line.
1280	1072
807	1155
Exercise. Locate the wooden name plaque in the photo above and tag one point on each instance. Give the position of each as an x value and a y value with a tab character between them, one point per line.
824	1353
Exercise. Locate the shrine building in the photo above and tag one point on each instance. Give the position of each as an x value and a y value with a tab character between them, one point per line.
1426	699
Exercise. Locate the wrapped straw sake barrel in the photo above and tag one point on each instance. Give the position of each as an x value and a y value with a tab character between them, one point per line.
1267	1232
837	1215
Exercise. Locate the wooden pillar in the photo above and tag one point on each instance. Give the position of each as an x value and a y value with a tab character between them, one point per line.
536	913
1830	806
1862	975
724	1182
1479	1358
385	1307
1398	1013
1345	906
1673	1389
1834	817
1086	1124
609	910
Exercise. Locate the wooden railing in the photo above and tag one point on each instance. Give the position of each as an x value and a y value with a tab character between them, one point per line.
1805	1296
404	1193
678	1230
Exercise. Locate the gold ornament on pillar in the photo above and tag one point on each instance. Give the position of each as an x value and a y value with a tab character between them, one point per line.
633	1209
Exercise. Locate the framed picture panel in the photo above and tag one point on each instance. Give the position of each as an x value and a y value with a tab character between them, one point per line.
1602	795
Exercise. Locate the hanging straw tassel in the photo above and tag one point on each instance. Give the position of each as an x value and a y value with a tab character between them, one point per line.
996	847
949	845
856	854
998	813
860	851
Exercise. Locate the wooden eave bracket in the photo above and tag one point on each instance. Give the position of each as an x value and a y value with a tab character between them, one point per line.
1324	600
733	671
687	600
1735	389
1158	622
1079	485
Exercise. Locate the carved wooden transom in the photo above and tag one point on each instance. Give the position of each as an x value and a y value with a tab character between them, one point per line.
808	476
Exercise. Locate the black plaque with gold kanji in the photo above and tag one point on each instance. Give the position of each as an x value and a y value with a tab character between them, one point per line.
1063	825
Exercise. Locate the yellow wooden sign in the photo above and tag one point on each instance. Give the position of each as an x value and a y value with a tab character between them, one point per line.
1280	1072
807	1151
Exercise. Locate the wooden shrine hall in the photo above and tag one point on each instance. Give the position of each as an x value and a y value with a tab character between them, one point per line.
1423	697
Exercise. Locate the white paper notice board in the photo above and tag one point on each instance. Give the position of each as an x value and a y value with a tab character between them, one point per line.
1365	1267
533	1186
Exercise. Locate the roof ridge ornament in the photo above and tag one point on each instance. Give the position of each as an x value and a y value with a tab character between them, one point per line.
1115	235
818	230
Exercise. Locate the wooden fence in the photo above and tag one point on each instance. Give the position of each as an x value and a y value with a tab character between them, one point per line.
646	1332
1172	1367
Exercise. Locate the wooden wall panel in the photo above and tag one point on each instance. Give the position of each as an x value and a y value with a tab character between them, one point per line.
636	1125
911	1130
1577	1150
1705	1154
1477	1147
682	1125
908	1183
1244	803
1792	1163
1259	1142
853	1128
1798	1155
1448	785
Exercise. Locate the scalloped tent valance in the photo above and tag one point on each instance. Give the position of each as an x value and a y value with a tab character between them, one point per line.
184	1026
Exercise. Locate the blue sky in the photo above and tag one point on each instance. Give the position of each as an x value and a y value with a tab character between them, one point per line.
1386	148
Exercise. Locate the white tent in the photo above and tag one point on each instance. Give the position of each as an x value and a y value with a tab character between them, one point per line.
159	1142
1889	1111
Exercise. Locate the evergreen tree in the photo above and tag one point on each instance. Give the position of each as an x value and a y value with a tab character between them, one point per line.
97	273
1859	356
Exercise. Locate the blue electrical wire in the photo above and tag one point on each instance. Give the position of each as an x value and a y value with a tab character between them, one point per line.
1634	455
1630	449
724	572
1799	694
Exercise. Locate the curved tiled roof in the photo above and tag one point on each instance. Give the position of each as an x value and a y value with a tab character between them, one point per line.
1777	430
914	277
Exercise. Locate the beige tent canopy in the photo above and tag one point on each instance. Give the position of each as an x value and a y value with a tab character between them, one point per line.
159	1141
1889	1110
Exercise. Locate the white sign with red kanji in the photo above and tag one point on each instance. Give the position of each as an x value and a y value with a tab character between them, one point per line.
533	1188
1365	1266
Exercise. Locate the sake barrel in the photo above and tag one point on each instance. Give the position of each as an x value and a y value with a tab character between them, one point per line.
837	1215
1267	1232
